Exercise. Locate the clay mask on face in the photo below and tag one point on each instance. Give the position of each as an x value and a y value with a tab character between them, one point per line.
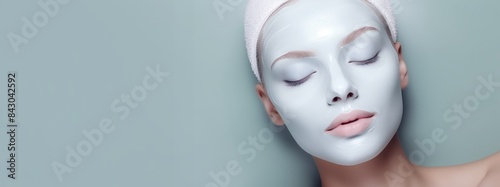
332	73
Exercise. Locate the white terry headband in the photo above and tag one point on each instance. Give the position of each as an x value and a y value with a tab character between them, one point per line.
258	11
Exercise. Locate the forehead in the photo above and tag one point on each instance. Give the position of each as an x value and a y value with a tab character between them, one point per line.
302	22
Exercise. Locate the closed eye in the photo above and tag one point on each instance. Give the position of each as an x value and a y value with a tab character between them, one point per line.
368	61
299	82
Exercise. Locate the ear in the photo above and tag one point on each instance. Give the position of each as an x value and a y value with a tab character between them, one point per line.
268	105
403	72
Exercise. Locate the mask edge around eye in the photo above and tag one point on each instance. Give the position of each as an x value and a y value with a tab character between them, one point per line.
357	52
367	61
294	69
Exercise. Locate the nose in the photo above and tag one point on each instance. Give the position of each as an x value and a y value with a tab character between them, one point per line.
341	90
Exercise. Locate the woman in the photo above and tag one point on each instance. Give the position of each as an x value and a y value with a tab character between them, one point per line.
333	72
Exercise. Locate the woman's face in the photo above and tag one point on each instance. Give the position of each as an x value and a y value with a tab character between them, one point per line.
333	75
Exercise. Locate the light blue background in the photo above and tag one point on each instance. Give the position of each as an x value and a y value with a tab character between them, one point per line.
91	52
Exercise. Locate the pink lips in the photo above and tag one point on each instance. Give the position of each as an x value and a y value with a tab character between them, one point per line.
350	124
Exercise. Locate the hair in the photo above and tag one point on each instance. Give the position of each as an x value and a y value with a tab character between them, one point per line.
259	63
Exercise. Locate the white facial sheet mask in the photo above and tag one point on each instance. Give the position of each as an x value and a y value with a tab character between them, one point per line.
303	88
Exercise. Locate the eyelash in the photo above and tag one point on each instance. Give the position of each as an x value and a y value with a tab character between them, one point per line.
299	82
364	62
368	61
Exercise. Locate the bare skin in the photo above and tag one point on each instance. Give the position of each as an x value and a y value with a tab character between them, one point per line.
392	167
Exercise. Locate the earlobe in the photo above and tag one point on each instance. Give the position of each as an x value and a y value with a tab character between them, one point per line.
268	105
403	71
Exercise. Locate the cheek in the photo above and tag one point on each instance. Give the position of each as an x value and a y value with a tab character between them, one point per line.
301	102
302	108
306	122
389	79
306	114
383	93
293	99
380	79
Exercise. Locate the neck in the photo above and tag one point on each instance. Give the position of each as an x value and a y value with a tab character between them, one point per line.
389	168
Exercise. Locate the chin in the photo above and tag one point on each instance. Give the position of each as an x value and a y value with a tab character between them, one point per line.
361	158
356	156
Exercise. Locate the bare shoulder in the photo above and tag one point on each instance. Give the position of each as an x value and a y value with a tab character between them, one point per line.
482	173
492	171
493	161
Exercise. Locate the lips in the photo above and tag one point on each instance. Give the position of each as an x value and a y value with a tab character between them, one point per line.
350	124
